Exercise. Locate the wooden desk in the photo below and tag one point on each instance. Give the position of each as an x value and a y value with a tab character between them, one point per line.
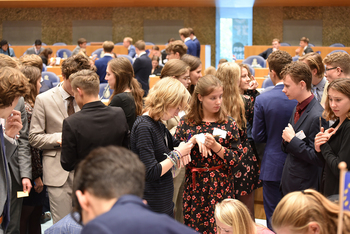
55	69
261	72
255	50
260	81
153	80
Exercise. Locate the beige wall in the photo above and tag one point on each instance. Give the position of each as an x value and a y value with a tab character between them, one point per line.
268	23
57	22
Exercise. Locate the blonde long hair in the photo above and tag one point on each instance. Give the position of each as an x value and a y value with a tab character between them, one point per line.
230	74
297	209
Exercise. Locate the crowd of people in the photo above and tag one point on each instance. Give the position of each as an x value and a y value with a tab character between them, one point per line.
183	156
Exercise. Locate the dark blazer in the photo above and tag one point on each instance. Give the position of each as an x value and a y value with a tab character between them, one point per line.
101	66
308	50
272	111
191	47
143	68
132	51
95	125
130	215
303	165
266	53
198	54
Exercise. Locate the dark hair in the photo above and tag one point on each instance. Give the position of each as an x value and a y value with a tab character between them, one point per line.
33	74
81	41
46	52
75	63
278	60
192	61
177	46
37	42
140	44
298	71
305	39
109	172
4	42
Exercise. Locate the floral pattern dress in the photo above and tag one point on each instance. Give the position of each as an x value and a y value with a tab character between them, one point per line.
209	180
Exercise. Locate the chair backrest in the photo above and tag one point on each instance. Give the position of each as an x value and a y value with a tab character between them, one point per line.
50	76
295	58
59	44
119	43
98	52
284	44
149	43
337	45
251	59
311	45
337	51
267	83
63	53
128	57
104	92
54	84
44	67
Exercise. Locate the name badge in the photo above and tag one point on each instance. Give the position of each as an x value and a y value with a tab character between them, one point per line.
219	132
300	135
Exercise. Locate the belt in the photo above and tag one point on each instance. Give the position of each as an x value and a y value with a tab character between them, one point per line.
203	169
1	218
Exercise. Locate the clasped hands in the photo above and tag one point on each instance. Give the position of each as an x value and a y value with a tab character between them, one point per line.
322	137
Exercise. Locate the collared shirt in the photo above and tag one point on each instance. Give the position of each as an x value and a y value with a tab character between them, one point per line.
279	83
302	106
187	39
142	53
319	88
66	95
194	37
108	54
10	139
67	225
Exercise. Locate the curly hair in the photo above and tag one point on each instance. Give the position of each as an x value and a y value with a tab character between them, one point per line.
75	63
341	85
297	209
33	74
166	93
278	60
13	84
176	47
230	75
124	78
31	60
7	61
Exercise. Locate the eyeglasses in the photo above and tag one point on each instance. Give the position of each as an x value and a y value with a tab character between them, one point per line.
327	69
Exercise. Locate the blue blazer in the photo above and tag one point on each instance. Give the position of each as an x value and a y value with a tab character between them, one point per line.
132	51
302	169
272	111
101	66
143	69
198	45
191	47
130	215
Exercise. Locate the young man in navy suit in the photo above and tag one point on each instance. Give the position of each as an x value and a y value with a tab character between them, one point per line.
101	64
195	40
272	111
142	66
185	37
302	168
108	187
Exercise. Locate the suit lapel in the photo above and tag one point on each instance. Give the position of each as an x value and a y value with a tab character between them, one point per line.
56	96
304	115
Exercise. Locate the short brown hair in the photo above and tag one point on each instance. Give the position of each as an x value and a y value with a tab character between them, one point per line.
140	44
74	64
339	59
108	46
86	80
278	60
314	60
341	85
13	84
184	32
221	61
276	39
305	39
81	41
191	31
7	61
177	46
33	74
298	71
174	67
155	47
191	60
32	60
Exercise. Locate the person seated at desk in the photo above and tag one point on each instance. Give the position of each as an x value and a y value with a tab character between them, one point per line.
275	46
36	49
5	49
304	44
156	68
127	43
45	55
81	45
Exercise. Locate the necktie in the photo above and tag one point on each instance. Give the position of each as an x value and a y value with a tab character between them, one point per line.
297	114
6	211
314	91
70	108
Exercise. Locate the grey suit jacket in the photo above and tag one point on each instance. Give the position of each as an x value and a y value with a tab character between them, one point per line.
31	50
45	130
20	162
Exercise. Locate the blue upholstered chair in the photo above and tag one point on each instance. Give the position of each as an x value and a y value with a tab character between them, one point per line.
105	92
55	84
251	69
260	60
59	44
98	52
50	76
337	51
119	43
284	44
44	67
311	45
337	45
149	43
295	58
128	57
63	53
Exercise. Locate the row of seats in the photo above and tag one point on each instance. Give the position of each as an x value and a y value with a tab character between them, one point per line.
312	45
64	44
